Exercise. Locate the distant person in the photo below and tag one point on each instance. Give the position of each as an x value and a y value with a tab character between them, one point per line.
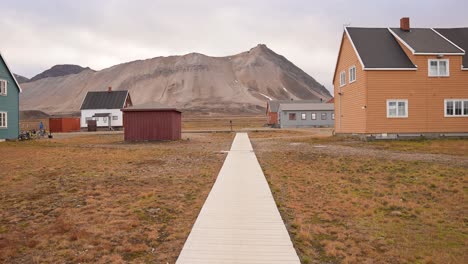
41	126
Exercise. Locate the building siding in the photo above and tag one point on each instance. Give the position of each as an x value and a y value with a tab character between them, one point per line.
64	124
362	107
100	123
350	117
425	96
9	104
272	118
308	122
152	125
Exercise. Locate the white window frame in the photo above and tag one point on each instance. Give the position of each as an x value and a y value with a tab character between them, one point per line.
463	102
342	78
3	88
4	120
397	114
303	116
313	116
333	116
323	115
352	78
115	118
438	68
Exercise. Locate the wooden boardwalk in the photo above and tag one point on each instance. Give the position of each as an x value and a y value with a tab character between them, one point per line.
239	222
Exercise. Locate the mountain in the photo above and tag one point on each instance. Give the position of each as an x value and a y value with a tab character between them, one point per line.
59	70
195	82
21	79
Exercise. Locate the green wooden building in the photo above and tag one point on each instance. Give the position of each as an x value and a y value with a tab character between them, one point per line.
9	102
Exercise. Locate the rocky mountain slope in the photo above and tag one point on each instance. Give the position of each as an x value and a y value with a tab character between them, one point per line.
21	79
240	83
59	70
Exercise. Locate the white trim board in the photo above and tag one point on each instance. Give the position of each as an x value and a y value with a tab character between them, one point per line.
12	74
391	69
458	47
426	53
354	47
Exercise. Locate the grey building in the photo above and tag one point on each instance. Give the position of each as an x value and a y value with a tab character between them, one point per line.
306	115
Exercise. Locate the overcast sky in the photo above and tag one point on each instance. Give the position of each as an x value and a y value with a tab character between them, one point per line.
36	35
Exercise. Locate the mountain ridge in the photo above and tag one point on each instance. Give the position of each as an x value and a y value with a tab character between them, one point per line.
193	82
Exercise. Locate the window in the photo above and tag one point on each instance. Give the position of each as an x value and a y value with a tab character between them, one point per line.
115	118
438	68
456	107
292	116
314	116
3	120
342	78
397	108
3	87
104	119
324	116
97	119
333	116
303	116
352	74
89	118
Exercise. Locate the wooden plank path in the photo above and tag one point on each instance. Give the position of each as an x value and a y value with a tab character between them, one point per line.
239	222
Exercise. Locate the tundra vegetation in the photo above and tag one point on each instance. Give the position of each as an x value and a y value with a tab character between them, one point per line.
91	198
95	199
347	201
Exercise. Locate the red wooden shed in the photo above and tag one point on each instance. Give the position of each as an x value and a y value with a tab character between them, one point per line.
151	121
64	124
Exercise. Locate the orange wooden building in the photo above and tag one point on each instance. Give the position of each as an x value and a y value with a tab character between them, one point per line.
392	82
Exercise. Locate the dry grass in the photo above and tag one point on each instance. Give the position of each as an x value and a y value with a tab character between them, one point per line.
435	146
356	207
222	122
95	199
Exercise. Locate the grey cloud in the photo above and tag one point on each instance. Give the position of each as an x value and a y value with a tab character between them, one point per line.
100	34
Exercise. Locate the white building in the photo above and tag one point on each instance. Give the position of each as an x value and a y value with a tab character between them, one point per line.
104	107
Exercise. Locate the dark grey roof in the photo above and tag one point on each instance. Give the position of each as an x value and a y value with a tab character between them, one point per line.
425	40
150	106
104	100
307	107
274	104
378	48
459	36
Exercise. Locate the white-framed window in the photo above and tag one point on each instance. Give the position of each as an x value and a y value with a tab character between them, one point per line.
342	78
333	116
352	74
104	119
89	118
3	119
97	119
324	116
303	116
456	107
438	68
3	87
115	118
313	116
397	108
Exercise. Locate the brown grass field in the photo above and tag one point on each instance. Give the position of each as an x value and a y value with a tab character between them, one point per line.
345	201
95	199
91	198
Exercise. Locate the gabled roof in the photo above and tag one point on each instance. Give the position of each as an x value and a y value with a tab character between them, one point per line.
378	49
425	41
458	36
105	100
11	73
307	107
150	106
274	104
